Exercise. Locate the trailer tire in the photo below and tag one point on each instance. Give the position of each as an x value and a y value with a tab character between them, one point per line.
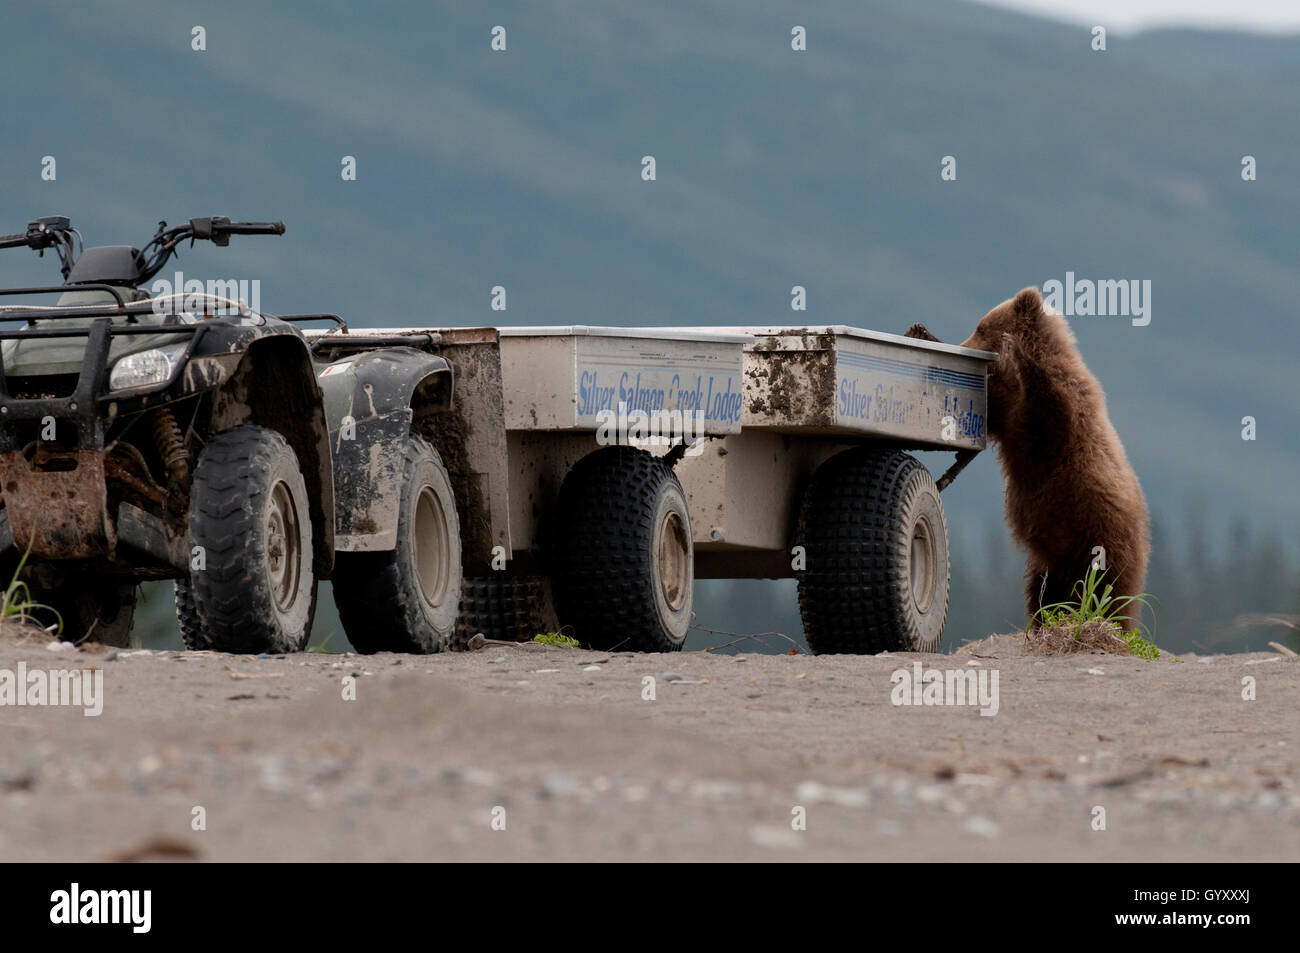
503	608
407	599
256	590
876	545
622	554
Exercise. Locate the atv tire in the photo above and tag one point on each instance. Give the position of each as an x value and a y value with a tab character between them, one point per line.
255	590
407	600
92	609
187	617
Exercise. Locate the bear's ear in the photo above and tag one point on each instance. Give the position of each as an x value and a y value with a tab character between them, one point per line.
1028	303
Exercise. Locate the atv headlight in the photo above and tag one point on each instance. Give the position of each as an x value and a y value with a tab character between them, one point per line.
146	367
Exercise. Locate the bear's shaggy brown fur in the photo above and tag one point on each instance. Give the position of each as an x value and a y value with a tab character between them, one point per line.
1070	487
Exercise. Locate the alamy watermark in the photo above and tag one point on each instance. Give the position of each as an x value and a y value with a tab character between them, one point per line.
658	428
955	687
75	905
1107	297
40	688
181	295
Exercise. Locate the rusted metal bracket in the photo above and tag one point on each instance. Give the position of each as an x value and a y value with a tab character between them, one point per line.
963	458
61	514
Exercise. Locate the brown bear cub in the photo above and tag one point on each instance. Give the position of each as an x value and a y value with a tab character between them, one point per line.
1070	487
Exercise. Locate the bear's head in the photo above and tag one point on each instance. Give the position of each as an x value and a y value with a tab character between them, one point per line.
1020	317
1022	332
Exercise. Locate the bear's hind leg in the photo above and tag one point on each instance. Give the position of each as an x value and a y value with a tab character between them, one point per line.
1046	587
1036	580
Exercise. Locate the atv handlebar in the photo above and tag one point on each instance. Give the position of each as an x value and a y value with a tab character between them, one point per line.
54	231
254	228
216	229
57	232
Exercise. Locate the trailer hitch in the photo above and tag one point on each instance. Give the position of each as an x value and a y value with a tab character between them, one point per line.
963	457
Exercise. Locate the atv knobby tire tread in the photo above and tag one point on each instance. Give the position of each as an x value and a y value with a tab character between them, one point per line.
231	595
378	599
81	602
187	617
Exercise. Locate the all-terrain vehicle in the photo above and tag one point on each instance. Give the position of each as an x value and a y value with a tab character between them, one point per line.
188	436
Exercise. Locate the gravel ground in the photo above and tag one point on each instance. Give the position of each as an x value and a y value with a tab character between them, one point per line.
560	748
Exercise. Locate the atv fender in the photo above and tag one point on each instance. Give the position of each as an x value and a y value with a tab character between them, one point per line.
275	386
372	401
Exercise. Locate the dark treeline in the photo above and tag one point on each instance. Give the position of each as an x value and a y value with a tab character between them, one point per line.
1213	590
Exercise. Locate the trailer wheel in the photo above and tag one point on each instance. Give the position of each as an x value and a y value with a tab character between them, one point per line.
504	608
876	545
256	591
622	553
407	600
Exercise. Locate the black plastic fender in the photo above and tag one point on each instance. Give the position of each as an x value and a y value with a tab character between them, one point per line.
274	385
372	400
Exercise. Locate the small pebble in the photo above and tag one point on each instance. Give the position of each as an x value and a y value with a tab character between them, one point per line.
982	827
765	835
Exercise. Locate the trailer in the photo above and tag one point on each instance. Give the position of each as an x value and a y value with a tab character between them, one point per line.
599	471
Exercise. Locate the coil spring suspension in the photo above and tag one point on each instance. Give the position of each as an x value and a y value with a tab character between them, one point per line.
171	447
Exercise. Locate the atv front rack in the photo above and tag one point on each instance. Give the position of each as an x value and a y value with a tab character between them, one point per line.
82	406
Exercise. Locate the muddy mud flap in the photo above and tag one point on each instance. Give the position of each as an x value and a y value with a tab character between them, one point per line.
150	535
368	474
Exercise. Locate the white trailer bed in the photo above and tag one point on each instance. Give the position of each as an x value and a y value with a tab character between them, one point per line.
784	420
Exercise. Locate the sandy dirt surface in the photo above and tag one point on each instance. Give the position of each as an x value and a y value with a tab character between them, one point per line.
417	766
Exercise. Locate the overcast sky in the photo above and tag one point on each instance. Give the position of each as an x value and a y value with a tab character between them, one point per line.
1273	16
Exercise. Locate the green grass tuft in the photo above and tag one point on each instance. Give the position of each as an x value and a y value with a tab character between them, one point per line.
18	604
556	638
1139	646
1097	604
